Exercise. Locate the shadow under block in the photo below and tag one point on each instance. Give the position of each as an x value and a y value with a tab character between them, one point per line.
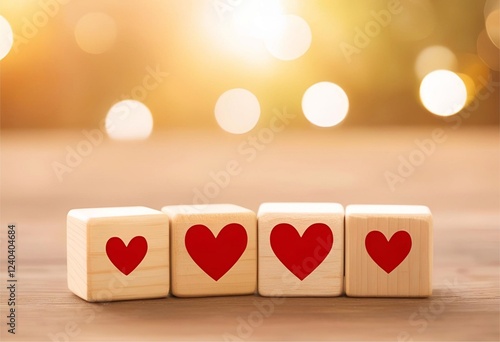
118	253
213	250
301	249
388	251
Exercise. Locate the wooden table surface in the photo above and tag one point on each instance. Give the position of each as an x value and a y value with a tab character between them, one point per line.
458	180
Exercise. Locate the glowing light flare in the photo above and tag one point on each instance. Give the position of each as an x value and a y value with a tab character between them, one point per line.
95	32
129	120
443	92
6	37
293	41
325	104
469	86
434	58
285	36
471	65
237	111
258	19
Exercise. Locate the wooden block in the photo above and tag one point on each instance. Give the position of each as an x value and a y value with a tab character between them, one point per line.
213	250
388	251
301	249
118	253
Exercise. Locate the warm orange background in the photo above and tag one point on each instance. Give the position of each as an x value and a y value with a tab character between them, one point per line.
47	81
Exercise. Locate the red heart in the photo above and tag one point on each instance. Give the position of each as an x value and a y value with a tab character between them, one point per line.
388	254
126	258
301	255
216	255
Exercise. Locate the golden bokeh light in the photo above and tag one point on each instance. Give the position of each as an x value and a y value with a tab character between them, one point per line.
292	40
325	104
471	65
487	51
286	36
470	87
492	24
258	19
434	58
237	111
88	55
443	92
6	37
95	33
129	120
490	6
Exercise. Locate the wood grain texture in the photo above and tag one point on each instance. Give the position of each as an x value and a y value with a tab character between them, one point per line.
188	279
328	278
413	276
91	274
459	182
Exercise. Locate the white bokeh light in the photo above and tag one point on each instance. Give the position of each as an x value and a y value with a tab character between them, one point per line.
129	120
6	37
443	92
95	32
325	104
258	18
237	111
292	40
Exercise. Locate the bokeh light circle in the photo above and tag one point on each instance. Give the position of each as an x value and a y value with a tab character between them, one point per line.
95	32
6	37
434	58
487	51
237	111
443	92
325	104
129	120
258	18
293	39
490	6
492	25
470	87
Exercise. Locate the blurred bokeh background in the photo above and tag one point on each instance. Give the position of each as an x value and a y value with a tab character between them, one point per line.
245	102
71	61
